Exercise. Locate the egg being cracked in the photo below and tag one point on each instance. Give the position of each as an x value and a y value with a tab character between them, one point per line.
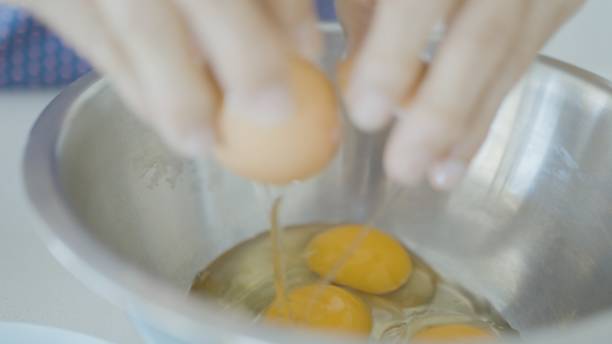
295	147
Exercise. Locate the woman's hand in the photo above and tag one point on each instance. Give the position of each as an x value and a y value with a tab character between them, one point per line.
168	58
162	55
445	108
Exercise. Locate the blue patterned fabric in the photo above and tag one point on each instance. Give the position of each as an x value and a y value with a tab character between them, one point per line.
326	9
31	56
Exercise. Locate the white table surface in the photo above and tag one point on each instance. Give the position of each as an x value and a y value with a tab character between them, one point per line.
35	288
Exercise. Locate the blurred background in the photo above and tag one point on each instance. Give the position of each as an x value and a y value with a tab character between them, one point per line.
31	56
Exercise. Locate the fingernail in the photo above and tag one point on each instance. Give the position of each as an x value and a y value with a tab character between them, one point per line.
407	168
268	104
370	111
448	174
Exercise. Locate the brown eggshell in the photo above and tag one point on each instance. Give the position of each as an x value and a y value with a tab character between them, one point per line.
294	148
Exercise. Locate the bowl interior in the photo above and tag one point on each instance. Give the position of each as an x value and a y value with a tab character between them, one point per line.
529	228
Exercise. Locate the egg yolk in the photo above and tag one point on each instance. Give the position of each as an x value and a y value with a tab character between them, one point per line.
451	332
324	308
378	264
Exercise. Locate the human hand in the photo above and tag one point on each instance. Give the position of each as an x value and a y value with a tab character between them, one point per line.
445	108
168	58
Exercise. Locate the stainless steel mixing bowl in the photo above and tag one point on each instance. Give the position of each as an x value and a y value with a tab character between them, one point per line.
530	228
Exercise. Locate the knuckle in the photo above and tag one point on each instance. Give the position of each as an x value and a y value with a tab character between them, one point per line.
445	113
495	28
388	74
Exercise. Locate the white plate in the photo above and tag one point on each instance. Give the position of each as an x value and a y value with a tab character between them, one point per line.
20	333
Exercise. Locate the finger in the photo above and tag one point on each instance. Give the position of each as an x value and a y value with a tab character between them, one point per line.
449	170
298	18
171	70
384	72
250	58
80	24
466	63
541	22
355	17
